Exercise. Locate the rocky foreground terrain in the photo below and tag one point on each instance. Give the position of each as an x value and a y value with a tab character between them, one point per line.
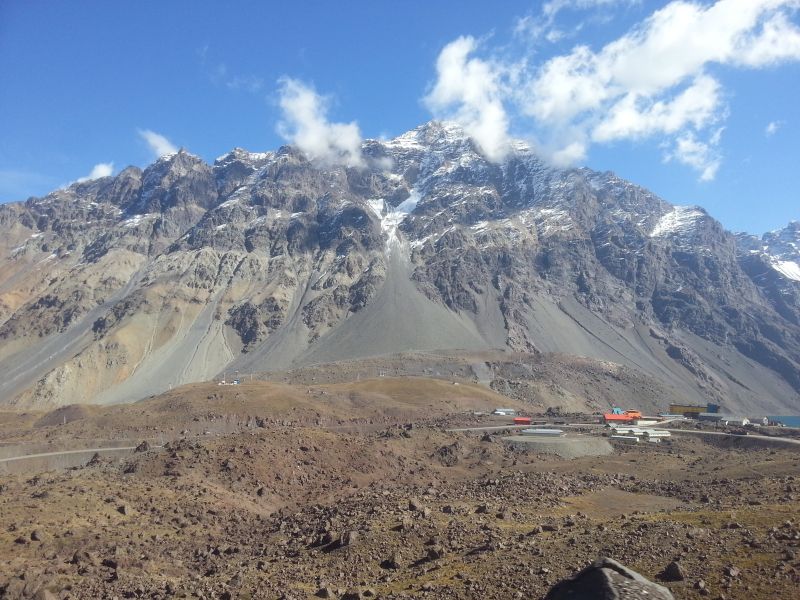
357	490
118	288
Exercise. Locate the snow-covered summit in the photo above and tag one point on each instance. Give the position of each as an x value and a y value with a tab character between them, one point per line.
784	243
780	248
783	248
433	134
170	157
447	137
242	155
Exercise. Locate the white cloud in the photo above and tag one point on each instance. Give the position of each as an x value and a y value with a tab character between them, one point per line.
305	124
570	154
158	144
653	80
637	115
554	35
543	26
468	91
777	41
553	7
674	44
701	156
656	82
98	171
772	128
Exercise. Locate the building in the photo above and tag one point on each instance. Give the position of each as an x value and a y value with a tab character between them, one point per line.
693	410
505	412
708	416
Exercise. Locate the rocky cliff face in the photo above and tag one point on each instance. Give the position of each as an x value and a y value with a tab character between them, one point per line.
117	288
773	263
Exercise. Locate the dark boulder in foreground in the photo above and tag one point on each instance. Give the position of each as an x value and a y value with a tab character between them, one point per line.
606	579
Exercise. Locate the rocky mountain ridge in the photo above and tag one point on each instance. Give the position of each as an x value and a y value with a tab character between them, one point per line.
121	287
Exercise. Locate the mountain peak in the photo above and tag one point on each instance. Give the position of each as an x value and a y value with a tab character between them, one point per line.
431	134
177	163
242	155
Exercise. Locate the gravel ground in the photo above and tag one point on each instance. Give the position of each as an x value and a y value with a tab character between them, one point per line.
279	507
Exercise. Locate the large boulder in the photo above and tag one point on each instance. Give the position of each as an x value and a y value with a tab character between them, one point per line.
606	579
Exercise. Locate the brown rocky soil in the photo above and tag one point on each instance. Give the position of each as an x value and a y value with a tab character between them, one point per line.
356	490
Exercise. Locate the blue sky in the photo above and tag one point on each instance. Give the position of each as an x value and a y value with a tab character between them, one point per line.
694	100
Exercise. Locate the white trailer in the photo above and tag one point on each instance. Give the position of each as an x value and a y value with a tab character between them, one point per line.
626	430
656	434
625	439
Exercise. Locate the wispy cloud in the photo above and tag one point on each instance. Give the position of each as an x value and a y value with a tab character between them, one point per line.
158	144
652	83
220	74
702	156
553	7
248	83
468	91
98	171
773	127
305	124
543	25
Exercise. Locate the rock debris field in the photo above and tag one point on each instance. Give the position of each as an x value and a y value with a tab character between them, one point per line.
320	499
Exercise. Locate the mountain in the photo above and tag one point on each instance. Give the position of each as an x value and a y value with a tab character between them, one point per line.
122	287
773	263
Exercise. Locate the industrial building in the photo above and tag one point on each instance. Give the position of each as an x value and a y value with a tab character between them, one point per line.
693	410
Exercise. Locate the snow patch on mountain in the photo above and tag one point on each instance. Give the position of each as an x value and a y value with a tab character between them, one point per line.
407	141
391	217
787	268
679	220
243	155
547	221
780	247
135	220
229	203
